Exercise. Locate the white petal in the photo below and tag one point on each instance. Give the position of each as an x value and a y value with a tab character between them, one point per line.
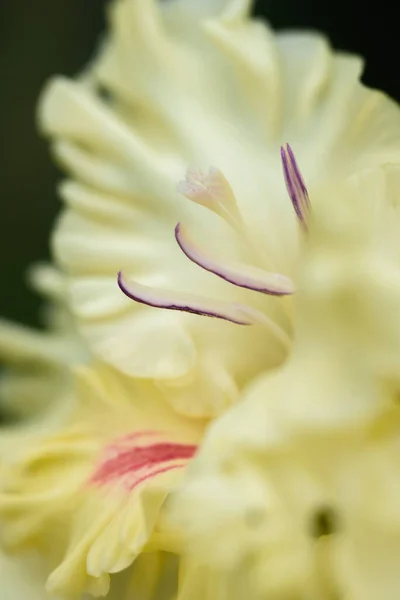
46	280
227	9
143	345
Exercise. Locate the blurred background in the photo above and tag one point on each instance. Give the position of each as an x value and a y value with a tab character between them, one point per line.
45	37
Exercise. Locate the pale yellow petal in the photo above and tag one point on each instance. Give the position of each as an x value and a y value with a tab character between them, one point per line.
21	579
89	495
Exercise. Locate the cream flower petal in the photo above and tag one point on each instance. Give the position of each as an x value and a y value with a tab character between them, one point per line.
329	526
201	582
171	70
46	280
312	453
227	9
18	343
371	514
154	576
23	577
37	362
20	580
116	461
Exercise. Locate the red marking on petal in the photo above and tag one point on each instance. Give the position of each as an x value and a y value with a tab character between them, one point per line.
156	472
126	462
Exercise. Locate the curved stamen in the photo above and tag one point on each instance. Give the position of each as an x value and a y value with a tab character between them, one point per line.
295	185
228	311
245	276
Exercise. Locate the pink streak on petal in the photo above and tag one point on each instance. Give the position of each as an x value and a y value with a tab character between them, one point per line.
233	312
132	465
273	284
154	473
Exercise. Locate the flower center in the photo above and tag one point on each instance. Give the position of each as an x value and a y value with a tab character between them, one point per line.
213	191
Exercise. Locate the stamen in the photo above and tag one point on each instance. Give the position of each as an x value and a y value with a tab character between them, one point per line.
213	191
295	184
228	311
245	276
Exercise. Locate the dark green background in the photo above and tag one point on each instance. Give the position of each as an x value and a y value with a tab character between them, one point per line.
39	38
